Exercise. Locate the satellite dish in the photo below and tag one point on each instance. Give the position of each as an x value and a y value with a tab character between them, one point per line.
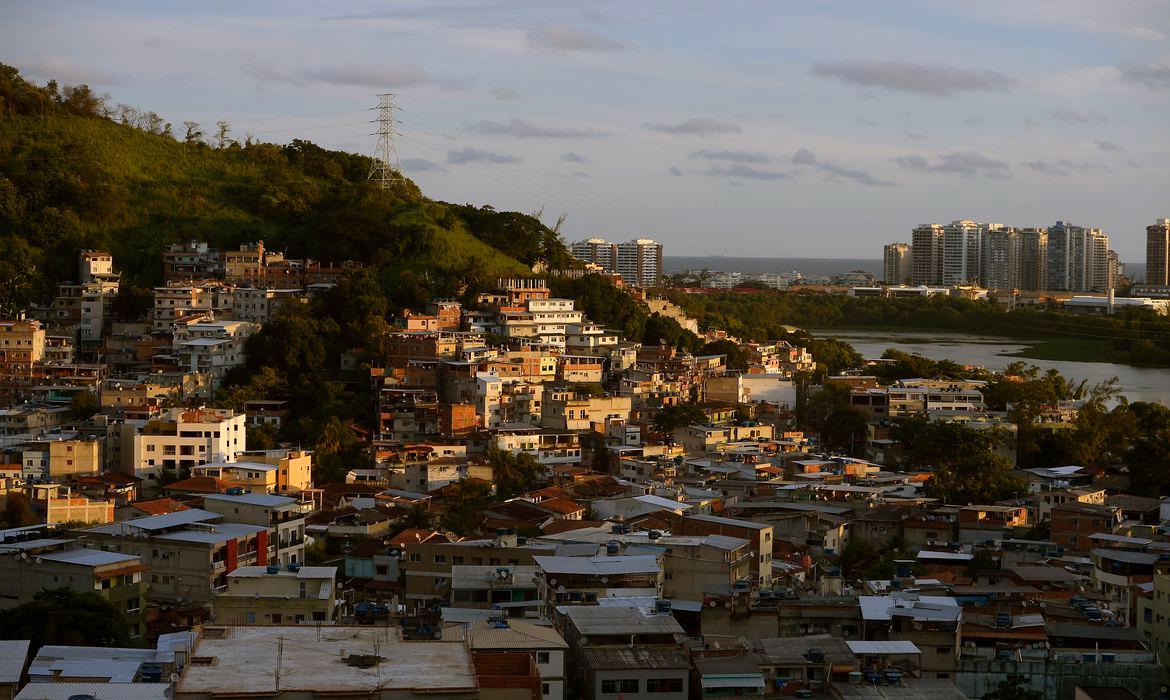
605	579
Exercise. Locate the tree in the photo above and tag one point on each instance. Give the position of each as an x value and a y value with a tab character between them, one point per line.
16	511
1015	687
463	518
677	416
833	356
222	129
736	359
514	472
83	405
62	616
193	134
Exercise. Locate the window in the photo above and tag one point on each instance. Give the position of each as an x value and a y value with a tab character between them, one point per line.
943	650
664	685
545	688
542	657
628	685
440	558
416	557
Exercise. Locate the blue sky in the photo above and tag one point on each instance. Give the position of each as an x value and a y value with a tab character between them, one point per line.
742	128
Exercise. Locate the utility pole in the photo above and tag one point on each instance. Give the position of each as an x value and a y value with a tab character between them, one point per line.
385	170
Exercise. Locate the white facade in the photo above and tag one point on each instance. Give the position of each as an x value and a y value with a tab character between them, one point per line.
185	438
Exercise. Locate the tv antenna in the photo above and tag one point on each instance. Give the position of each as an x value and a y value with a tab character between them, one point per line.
385	171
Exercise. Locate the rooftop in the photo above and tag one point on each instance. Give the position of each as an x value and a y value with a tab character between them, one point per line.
323	659
599	566
602	620
13	654
253	499
637	658
482	636
88	557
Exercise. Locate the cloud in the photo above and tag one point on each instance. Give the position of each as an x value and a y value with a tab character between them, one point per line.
564	37
804	157
1063	167
866	121
571	157
64	71
1108	146
967	163
504	94
381	76
914	136
746	172
421	165
935	80
697	126
1146	75
734	156
524	129
836	172
675	171
475	155
1068	116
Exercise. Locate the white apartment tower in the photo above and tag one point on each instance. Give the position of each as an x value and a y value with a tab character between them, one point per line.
963	251
897	261
639	262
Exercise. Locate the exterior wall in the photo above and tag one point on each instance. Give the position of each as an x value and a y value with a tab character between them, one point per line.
595	681
975	678
274	599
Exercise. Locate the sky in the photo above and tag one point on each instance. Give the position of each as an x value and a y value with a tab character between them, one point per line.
770	129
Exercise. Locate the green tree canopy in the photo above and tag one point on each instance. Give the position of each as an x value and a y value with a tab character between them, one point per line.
61	616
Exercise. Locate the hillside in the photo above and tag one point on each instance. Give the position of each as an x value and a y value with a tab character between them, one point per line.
76	173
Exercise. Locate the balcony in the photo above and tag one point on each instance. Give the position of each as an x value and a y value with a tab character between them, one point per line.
218	566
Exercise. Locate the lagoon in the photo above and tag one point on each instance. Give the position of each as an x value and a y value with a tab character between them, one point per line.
996	352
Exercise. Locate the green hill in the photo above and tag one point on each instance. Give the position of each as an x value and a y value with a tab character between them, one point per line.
75	173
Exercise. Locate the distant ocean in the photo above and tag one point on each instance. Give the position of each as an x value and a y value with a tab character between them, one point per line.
805	266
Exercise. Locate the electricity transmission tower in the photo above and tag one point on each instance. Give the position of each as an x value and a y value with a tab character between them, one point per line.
385	170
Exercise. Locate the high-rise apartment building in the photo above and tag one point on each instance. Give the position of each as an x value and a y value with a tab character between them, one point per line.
639	262
1002	259
897	261
1078	258
1158	253
926	265
1033	258
595	250
963	252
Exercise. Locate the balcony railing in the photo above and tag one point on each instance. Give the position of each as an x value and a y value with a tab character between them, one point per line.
218	566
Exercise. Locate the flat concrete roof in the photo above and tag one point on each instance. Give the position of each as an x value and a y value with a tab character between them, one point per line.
245	661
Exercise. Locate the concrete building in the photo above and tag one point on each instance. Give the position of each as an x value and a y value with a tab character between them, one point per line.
212	348
44	460
284	517
897	263
639	261
305	662
274	595
700	565
570	580
181	439
1078	258
22	344
37	562
563	409
926	265
963	252
760	535
546	647
188	553
624	651
1158	253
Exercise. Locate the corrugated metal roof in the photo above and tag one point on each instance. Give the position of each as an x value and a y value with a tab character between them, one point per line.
100	691
160	522
518	635
599	620
222	533
598	566
882	648
729	521
88	557
253	499
599	658
13	654
464	577
1125	556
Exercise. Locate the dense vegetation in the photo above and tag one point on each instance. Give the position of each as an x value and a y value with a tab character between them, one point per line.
63	617
76	173
1133	336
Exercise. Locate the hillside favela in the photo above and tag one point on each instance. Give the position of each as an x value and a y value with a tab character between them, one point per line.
584	351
